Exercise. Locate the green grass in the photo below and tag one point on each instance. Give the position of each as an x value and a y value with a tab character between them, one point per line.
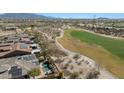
105	51
114	46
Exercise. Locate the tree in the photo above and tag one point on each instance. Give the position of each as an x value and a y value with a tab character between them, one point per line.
34	72
45	54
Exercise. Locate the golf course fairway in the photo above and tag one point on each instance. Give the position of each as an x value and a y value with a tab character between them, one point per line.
106	51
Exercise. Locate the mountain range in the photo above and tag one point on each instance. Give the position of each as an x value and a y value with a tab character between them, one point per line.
34	16
22	16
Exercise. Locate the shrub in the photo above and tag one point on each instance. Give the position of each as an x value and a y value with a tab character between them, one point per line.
34	72
74	75
67	73
66	66
76	56
72	67
81	71
93	74
79	63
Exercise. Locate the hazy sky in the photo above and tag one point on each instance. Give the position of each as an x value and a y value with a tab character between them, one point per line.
85	15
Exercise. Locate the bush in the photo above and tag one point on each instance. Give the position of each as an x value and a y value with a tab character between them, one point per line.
34	72
67	73
66	66
74	75
79	63
76	56
93	74
72	67
81	71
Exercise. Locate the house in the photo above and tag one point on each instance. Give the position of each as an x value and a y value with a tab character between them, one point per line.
17	67
10	27
10	39
14	49
26	40
22	38
17	49
14	72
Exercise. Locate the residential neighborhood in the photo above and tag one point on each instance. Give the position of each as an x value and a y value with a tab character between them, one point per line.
18	57
33	46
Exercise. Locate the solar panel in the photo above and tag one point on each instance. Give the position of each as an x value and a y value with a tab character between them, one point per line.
23	46
15	72
28	58
13	68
